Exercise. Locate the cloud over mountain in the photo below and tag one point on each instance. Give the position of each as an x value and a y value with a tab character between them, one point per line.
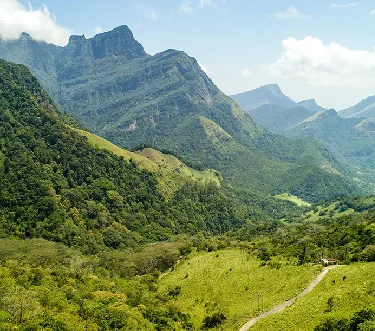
320	64
39	23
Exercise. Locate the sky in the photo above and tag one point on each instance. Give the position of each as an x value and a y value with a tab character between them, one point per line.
322	49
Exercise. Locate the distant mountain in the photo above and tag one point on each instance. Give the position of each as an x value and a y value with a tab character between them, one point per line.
264	95
133	99
278	119
352	140
364	109
311	105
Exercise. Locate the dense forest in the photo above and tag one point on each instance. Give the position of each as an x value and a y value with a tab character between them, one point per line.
85	234
57	186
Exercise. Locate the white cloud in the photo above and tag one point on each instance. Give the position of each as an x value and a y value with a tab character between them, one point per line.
372	12
246	73
189	6
152	15
318	64
38	23
98	29
203	3
292	13
147	11
345	5
186	7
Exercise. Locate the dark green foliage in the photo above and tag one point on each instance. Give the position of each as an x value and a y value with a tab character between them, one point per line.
72	292
213	320
54	185
361	317
348	238
166	101
333	325
361	321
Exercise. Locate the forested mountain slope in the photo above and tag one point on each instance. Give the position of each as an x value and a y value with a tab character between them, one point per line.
55	184
166	101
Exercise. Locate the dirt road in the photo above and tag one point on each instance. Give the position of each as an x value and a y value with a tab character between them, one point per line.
288	303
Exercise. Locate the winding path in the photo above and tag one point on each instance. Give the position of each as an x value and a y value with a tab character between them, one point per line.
288	303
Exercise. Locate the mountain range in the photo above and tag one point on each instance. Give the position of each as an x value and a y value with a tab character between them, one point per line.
348	135
116	90
364	109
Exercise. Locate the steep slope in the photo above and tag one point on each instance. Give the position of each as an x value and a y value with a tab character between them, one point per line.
55	184
264	95
166	101
364	109
170	172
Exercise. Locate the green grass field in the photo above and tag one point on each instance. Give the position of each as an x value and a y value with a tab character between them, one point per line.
230	281
354	293
292	198
171	172
327	211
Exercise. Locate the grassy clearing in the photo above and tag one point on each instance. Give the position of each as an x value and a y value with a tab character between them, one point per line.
292	198
327	211
171	172
177	169
354	293
230	281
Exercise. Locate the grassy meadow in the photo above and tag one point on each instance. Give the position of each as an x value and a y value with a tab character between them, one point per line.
292	198
351	287
171	172
230	281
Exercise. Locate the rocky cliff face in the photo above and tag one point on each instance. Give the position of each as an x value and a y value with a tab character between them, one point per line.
118	42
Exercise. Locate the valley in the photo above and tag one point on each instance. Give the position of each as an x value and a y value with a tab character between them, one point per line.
136	195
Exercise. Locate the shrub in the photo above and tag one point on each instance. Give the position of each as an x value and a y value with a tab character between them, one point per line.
214	320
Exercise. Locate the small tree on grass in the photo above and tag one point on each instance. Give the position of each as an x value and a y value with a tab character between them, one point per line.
214	320
330	303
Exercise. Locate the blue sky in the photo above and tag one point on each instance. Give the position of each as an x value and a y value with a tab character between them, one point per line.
313	49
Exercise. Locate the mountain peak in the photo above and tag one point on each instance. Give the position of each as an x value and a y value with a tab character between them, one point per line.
25	36
311	104
265	95
76	38
274	88
119	41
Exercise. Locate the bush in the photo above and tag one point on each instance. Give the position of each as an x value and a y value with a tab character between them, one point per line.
368	254
214	320
333	325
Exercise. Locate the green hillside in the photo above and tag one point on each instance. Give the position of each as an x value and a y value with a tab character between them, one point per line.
55	184
229	282
112	87
351	289
170	172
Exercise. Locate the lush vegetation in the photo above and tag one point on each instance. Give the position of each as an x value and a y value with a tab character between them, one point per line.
232	283
170	172
166	101
47	286
55	185
348	238
340	295
350	139
139	240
